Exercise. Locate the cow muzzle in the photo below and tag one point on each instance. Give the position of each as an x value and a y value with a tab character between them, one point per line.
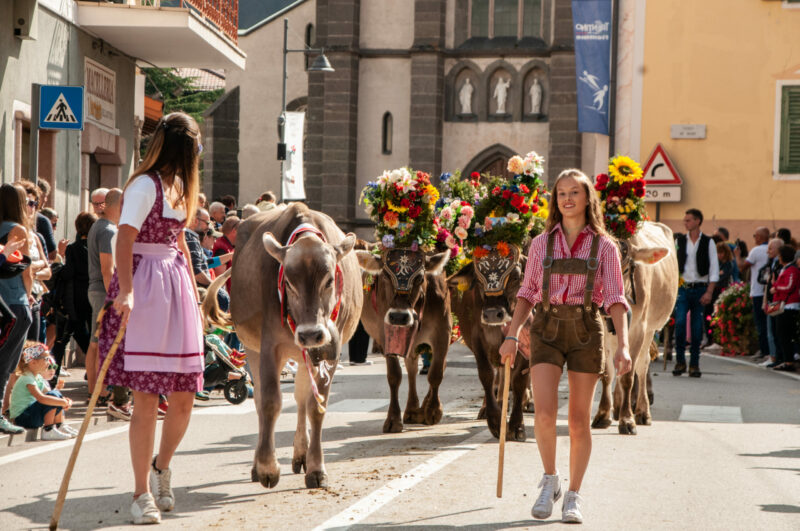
495	316
400	317
311	336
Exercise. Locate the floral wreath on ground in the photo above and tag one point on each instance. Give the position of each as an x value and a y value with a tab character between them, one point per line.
621	193
511	211
401	203
732	323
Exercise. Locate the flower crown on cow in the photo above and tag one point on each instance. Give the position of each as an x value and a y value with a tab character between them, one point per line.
401	203
621	193
511	211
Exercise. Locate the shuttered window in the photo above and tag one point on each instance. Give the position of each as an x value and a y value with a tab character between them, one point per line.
790	130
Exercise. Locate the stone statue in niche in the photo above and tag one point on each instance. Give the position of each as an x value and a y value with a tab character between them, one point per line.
465	96
501	94
535	93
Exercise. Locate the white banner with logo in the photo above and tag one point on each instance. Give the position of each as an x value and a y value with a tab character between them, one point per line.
101	94
293	189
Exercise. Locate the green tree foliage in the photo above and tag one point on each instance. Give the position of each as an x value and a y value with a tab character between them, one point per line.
179	93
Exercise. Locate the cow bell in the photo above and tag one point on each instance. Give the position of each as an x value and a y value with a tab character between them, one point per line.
398	339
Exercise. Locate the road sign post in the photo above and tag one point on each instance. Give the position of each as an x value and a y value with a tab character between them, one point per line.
662	181
33	151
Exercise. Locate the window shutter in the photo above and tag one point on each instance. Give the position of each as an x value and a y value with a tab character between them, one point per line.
790	130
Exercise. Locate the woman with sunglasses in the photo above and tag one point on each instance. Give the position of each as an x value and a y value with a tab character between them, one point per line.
15	291
39	264
154	293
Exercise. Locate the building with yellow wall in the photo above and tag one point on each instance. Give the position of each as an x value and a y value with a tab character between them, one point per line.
734	66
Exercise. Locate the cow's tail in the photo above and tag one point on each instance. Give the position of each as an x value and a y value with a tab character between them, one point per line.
653	351
212	315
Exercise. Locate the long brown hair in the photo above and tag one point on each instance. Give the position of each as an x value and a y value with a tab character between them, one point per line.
173	151
13	201
594	213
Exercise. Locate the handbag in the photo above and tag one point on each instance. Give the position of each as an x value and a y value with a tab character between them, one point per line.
775	308
14	264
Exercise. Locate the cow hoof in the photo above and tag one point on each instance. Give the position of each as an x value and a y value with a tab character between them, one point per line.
482	414
627	427
516	434
601	423
270	480
616	415
643	420
529	407
317	480
298	464
253	475
433	415
651	398
393	425
414	416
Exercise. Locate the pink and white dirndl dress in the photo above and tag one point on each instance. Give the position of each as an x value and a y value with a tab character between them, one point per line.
162	350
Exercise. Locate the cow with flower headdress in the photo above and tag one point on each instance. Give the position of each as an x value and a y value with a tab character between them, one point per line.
502	216
407	309
650	269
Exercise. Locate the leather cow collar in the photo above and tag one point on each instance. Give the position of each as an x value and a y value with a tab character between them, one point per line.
494	269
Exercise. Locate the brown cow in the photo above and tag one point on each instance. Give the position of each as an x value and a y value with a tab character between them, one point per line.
408	307
649	257
323	299
482	310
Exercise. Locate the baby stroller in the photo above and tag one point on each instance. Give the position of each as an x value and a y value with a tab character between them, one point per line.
225	367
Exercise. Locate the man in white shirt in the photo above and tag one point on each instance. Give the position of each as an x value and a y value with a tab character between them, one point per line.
699	268
757	259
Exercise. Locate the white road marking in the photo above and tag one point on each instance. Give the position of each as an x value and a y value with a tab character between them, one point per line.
695	413
371	503
61	444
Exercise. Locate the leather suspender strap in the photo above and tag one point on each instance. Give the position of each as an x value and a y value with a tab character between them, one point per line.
547	266
591	264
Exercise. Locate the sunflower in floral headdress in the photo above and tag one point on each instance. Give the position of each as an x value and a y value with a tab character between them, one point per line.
624	169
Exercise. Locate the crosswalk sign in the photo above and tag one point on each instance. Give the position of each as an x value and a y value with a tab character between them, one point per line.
60	107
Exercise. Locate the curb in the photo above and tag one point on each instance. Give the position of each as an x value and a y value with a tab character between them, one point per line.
794	375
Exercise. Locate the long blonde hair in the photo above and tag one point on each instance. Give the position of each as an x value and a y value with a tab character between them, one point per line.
594	212
173	151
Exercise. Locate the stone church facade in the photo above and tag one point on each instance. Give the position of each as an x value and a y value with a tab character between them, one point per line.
398	96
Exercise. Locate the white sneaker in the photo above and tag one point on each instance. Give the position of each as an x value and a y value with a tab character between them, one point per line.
144	510
160	487
68	430
550	493
54	435
766	362
571	508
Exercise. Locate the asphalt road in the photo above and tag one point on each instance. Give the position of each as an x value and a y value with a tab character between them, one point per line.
723	453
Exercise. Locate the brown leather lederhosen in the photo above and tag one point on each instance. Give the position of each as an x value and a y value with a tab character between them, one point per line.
566	333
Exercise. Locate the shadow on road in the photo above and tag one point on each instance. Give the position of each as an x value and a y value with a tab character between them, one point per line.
778	508
794	452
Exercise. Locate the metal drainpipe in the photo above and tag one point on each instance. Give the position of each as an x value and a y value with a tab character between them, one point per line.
612	100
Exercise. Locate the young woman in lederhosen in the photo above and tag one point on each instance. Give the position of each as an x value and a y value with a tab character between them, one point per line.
573	269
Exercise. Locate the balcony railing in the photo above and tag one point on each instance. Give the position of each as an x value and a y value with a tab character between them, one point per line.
224	14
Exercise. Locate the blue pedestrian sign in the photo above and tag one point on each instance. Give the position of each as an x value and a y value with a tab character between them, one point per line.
60	107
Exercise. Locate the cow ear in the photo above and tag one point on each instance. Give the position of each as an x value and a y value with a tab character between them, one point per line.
650	255
345	246
464	276
434	265
275	249
369	262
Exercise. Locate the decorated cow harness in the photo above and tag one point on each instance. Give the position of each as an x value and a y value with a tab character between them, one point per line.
286	318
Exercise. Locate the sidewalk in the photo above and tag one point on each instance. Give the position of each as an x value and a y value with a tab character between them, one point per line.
714	350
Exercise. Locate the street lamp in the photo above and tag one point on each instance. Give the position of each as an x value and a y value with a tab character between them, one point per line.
320	64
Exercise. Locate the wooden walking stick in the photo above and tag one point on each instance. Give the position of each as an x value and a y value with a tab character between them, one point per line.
506	379
62	492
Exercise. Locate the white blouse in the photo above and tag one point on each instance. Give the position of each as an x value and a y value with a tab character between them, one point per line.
139	198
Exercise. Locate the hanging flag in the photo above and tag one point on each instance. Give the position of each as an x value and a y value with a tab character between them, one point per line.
592	29
292	182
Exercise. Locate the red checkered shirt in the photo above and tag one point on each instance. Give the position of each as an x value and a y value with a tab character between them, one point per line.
568	289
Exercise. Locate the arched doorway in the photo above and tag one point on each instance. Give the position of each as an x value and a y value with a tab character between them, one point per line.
492	160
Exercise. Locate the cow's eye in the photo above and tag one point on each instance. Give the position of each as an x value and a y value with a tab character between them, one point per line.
329	283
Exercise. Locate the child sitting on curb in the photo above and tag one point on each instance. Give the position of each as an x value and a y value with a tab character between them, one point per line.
32	404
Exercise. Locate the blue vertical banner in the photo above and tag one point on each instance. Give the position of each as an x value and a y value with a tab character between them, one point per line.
592	29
